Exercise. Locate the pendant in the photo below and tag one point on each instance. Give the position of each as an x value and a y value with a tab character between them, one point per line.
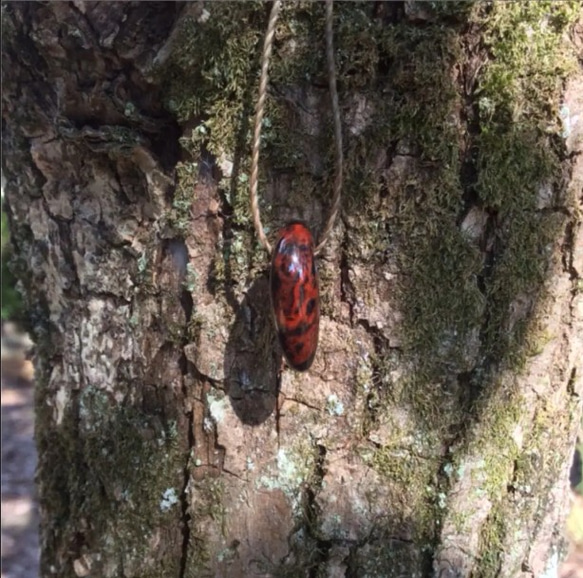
295	297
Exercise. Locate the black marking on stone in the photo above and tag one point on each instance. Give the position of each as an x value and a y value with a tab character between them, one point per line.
291	312
300	330
302	295
311	306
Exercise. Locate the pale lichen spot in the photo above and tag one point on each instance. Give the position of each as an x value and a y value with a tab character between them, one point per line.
61	400
334	406
217	407
169	499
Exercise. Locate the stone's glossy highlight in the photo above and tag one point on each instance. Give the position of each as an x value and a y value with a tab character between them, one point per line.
295	297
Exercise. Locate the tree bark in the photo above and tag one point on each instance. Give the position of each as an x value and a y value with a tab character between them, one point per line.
434	433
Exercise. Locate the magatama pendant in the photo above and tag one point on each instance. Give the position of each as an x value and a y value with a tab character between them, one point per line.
295	297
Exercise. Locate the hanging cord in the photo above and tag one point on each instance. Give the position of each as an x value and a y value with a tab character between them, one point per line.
259	110
267	46
335	208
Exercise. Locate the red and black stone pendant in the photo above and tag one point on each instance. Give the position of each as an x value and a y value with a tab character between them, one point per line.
295	297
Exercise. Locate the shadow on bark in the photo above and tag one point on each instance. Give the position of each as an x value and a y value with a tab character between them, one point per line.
253	357
387	549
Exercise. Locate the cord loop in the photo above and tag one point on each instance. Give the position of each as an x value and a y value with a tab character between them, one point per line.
259	111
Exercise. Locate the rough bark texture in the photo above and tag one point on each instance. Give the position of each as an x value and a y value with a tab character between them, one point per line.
433	434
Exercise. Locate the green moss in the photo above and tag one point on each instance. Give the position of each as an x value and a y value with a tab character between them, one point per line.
209	503
191	279
459	9
438	294
211	69
441	321
529	60
518	154
386	557
114	442
412	480
520	271
127	442
498	448
211	79
491	544
179	218
543	456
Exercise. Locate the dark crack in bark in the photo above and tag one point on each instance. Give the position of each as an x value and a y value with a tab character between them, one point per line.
346	288
374	398
311	512
184	497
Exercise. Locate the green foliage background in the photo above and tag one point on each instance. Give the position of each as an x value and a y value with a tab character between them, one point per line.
11	304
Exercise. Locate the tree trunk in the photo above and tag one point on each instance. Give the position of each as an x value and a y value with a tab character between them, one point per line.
434	432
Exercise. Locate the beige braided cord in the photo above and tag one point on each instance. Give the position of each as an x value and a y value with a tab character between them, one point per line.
259	110
335	208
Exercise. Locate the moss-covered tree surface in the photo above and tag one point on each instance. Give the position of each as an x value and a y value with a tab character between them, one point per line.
433	434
